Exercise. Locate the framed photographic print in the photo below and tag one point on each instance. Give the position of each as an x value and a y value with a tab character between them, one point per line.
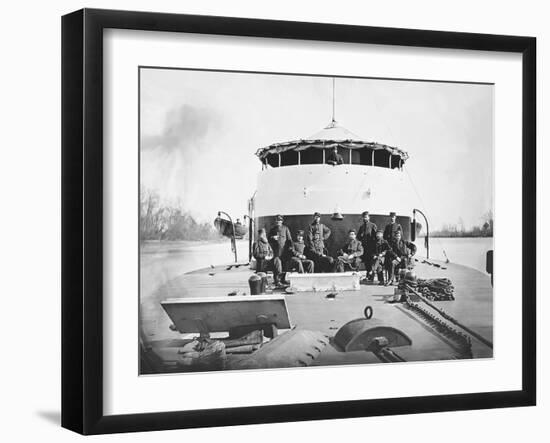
301	217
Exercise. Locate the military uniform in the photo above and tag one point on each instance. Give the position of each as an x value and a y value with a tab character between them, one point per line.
322	229
378	258
367	236
282	245
296	261
316	252
352	247
399	256
261	251
390	230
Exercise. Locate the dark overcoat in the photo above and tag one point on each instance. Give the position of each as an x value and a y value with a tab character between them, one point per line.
323	230
390	230
282	245
367	235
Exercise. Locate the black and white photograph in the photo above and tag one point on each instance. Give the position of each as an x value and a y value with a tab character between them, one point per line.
295	221
275	222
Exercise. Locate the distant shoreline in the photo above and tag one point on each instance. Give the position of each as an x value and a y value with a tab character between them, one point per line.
455	236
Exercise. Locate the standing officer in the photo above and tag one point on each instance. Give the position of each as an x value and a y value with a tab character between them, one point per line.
317	252
400	256
392	228
280	238
349	255
317	226
367	236
265	260
298	258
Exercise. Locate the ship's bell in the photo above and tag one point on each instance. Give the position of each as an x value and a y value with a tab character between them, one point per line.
337	215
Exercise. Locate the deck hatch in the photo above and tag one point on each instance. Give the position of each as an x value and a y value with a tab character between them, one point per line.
220	314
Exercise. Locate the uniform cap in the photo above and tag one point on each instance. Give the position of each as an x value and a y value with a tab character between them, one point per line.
317	214
300	232
279	218
365	213
392	214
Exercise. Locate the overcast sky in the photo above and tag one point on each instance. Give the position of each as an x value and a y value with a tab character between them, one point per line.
200	130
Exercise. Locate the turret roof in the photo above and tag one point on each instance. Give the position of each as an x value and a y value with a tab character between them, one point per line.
328	137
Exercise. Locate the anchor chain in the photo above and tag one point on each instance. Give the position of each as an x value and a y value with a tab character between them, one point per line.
461	341
434	289
409	287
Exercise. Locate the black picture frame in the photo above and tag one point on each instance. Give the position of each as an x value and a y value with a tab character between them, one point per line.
82	220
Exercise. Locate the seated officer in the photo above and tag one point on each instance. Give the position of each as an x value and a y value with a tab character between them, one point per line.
265	261
400	253
317	252
378	257
349	257
298	260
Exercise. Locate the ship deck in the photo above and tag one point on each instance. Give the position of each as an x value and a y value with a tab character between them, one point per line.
472	307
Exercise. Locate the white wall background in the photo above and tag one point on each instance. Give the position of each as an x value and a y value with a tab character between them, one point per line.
30	217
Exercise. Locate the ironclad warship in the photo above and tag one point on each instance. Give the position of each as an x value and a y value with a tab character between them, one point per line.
215	319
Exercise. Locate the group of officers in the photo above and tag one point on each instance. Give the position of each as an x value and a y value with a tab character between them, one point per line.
382	251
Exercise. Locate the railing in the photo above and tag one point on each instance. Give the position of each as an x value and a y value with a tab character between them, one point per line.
233	240
250	235
413	233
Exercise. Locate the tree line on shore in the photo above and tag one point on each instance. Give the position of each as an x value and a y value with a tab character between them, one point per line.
162	221
485	229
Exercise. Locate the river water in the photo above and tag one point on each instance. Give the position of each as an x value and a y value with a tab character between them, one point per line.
463	251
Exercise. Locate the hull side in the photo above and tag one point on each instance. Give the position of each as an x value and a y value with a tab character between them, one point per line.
306	189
